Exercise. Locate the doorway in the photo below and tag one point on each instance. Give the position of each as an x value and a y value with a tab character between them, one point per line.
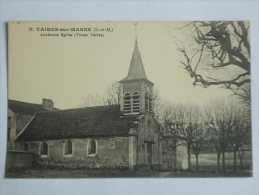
149	155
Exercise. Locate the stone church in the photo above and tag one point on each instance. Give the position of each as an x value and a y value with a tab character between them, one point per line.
19	114
115	136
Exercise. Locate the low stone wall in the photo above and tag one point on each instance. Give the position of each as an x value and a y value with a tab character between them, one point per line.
168	165
84	163
16	159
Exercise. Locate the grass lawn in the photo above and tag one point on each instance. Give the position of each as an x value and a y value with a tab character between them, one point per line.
83	173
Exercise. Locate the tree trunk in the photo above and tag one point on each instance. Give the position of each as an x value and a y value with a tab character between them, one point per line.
175	158
235	160
223	162
241	156
241	164
197	161
189	157
218	160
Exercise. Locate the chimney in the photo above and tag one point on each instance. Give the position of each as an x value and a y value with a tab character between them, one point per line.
48	104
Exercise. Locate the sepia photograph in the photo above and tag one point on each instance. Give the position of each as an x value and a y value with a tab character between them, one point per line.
129	100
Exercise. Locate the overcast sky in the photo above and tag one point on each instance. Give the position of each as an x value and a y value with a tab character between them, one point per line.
65	69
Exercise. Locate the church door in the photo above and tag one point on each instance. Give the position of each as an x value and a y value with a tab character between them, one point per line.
149	156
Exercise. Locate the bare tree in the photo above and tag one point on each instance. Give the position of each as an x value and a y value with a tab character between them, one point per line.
170	130
215	142
240	136
241	153
160	107
186	122
223	120
200	143
90	100
218	54
112	95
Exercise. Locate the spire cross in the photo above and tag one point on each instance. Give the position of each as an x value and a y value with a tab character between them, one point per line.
135	31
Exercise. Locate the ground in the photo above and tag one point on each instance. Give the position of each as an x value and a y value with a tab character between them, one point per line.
83	173
207	165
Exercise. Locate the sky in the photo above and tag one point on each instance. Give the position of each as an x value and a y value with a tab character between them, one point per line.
67	68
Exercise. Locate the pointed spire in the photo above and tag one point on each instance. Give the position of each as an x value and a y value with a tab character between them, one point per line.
136	40
136	70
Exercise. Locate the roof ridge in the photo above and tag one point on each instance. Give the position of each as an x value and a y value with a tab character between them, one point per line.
24	102
69	109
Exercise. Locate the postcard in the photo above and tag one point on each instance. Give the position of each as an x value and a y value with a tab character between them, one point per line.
129	99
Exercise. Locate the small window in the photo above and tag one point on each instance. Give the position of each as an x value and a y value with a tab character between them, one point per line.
44	148
25	147
92	147
112	143
68	147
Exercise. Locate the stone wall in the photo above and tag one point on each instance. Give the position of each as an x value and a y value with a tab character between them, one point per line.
19	159
168	155
148	133
112	152
16	122
21	121
11	130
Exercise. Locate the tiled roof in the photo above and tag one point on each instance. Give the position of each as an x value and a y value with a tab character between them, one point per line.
77	123
24	107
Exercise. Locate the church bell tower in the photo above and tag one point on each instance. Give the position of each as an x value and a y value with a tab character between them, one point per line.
136	91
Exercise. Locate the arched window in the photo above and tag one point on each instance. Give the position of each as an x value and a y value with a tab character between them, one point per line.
127	103
68	147
146	103
136	102
150	104
44	148
25	147
92	147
